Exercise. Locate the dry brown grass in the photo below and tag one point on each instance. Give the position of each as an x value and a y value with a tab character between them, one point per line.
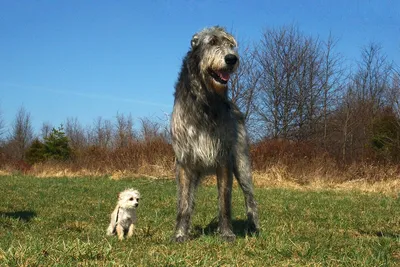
275	179
277	176
275	164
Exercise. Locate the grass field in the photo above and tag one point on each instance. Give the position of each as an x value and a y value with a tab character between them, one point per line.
62	221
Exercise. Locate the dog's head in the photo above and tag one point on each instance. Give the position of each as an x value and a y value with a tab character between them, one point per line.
129	199
217	56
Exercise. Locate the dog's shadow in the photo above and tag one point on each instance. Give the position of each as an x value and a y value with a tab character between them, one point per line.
24	216
239	227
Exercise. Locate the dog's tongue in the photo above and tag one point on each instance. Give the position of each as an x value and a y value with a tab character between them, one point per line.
224	75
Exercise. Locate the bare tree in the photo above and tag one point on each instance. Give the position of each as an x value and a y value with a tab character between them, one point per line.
149	129
2	126
21	133
373	76
333	80
244	81
394	94
46	129
165	123
76	134
299	81
102	132
124	130
369	92
341	125
277	58
243	88
370	83
292	83
307	88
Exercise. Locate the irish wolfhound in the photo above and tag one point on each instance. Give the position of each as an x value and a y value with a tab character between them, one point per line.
208	132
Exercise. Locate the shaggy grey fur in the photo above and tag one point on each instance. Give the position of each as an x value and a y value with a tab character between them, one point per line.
208	131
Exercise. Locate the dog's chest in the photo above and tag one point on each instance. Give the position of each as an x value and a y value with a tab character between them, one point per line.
126	217
203	138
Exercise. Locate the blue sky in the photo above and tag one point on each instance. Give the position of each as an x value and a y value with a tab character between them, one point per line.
87	59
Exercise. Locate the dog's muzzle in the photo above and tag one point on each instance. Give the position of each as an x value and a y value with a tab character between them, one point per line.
220	76
231	59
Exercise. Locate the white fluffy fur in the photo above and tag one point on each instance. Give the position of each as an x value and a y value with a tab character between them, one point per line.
123	218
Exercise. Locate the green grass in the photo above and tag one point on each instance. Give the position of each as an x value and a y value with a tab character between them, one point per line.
62	221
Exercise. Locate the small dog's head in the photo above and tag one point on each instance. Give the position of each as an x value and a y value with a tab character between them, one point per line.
129	199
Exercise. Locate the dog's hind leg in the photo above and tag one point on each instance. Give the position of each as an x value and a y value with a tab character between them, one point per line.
186	181
224	181
112	225
111	229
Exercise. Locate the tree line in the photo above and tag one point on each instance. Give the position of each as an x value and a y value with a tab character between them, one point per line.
290	86
297	87
68	140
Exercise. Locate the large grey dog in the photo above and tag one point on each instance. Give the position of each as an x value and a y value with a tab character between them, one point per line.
208	131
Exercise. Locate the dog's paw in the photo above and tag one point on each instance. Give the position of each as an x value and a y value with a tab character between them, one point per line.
253	229
228	237
110	232
253	226
227	234
180	238
181	235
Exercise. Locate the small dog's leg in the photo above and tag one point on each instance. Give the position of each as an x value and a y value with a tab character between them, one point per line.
131	230
110	229
120	232
224	180
186	187
113	217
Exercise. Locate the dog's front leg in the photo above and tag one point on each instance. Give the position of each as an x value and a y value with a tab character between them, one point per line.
131	230
120	232
242	171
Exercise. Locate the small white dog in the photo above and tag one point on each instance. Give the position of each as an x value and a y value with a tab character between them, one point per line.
123	217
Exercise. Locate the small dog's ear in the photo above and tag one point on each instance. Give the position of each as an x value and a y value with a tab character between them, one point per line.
195	41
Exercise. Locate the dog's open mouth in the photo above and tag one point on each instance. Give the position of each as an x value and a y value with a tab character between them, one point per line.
219	75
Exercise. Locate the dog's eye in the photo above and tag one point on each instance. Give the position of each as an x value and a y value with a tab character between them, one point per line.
131	199
213	41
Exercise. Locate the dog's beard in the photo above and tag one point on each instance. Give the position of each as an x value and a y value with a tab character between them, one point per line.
218	80
126	205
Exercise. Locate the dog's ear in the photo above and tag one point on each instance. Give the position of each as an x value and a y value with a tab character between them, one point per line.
195	41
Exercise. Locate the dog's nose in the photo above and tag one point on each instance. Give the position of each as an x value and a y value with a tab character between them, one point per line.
136	204
230	59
